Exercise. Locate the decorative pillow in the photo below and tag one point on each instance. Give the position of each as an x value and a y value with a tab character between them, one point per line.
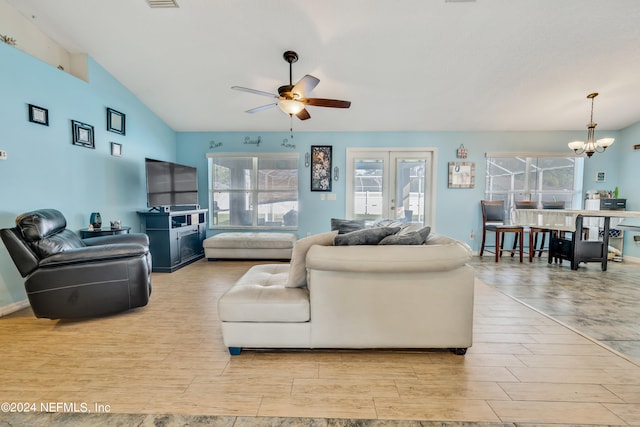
424	233
346	225
411	238
416	237
390	223
298	268
367	236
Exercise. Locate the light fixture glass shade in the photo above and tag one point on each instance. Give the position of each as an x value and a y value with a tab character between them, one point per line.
576	145
290	106
605	142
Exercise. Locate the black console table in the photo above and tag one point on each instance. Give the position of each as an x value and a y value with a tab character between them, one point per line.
175	237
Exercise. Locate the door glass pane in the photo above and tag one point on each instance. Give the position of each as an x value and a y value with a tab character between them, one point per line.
410	190
368	184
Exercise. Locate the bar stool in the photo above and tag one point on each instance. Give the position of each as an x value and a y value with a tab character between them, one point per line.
555	233
534	232
493	220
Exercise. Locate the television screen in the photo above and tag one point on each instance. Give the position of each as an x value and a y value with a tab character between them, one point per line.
170	184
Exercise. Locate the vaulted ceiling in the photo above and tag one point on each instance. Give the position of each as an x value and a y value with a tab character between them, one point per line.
404	64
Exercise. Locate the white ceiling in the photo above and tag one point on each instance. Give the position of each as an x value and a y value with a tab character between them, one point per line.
404	64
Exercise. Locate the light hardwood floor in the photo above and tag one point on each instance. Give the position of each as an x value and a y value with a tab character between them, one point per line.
168	358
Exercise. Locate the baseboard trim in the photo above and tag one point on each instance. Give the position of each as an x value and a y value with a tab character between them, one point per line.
12	308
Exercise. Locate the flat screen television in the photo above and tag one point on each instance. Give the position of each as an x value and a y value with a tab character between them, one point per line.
170	184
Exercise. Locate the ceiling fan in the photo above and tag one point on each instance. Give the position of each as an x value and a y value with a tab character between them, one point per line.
292	98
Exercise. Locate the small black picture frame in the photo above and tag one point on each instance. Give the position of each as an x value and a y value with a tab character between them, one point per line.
321	158
38	115
82	134
116	121
116	149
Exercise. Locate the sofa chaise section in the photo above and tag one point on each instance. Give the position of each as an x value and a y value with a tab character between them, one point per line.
391	296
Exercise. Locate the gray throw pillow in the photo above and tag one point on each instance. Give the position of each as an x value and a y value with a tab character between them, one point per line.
411	238
367	236
390	223
416	237
424	233
346	225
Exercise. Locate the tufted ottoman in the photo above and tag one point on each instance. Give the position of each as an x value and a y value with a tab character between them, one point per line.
249	245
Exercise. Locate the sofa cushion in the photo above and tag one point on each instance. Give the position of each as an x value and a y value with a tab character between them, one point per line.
60	242
346	225
45	232
260	296
298	270
367	236
250	240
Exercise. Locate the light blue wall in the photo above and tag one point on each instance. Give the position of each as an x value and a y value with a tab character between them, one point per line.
44	170
457	211
629	165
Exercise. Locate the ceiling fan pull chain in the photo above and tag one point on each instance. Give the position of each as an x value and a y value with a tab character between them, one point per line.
291	125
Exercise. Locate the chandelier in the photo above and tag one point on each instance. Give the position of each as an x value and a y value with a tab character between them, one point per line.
591	146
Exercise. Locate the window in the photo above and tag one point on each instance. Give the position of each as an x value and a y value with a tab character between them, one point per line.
541	178
253	190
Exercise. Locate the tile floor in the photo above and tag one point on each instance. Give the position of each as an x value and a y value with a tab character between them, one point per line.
604	305
168	358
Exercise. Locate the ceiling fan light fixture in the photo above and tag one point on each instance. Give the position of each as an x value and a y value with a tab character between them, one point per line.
290	106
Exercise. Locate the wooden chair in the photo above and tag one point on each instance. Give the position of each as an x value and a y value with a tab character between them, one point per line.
493	220
534	232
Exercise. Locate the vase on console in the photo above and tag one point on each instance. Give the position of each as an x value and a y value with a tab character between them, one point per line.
95	220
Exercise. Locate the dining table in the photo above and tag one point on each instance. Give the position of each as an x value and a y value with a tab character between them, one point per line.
570	235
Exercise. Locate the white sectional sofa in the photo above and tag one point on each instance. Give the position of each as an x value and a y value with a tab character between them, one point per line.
365	296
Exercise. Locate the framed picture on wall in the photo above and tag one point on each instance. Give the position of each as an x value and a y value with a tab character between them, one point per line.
321	167
115	121
38	115
116	149
82	134
462	174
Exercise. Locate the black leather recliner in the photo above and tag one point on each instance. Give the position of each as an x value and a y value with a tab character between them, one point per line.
69	277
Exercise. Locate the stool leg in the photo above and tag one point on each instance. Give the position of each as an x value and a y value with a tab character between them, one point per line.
498	245
521	233
532	244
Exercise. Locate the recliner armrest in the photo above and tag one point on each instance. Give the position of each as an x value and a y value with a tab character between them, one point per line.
95	254
138	238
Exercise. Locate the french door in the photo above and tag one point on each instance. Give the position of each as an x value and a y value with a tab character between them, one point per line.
396	184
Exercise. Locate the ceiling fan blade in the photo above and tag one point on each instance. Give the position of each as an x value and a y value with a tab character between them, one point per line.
254	91
303	114
262	108
305	85
323	102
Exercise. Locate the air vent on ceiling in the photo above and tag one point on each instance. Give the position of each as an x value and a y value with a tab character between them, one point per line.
162	3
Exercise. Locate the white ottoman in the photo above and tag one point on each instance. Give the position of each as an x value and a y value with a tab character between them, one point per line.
249	245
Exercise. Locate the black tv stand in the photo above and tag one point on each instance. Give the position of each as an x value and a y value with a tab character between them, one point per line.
175	237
